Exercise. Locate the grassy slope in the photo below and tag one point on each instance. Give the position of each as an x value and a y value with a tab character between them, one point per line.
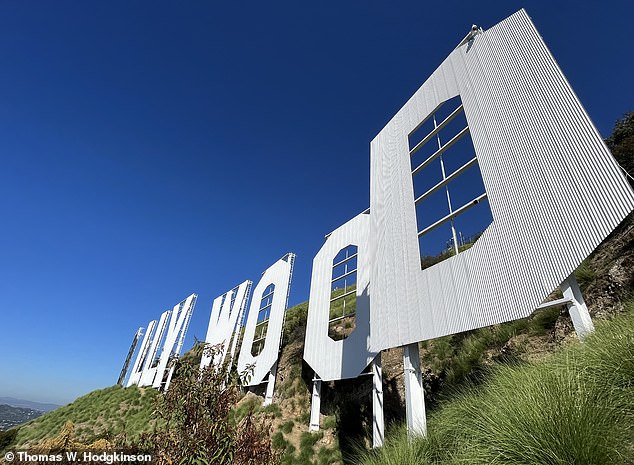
100	414
575	406
450	363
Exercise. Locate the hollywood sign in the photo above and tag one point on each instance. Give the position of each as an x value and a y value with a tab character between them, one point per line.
160	347
263	329
553	189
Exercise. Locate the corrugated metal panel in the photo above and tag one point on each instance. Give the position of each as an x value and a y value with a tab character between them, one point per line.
223	322
178	324
278	274
348	357
554	190
149	372
137	368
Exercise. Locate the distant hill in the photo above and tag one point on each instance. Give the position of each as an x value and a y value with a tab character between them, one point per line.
100	414
42	407
12	416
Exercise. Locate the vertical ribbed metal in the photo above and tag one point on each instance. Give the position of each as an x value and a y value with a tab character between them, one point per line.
149	367
278	274
176	329
554	189
137	368
224	322
348	357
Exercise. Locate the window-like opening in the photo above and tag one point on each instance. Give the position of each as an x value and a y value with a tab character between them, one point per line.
262	324
449	195
343	294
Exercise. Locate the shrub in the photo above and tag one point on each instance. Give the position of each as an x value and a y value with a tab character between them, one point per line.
198	429
575	407
273	409
278	441
287	427
7	438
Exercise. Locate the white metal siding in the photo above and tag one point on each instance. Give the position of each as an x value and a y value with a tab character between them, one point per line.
278	274
223	323
149	372
346	358
137	368
554	189
176	329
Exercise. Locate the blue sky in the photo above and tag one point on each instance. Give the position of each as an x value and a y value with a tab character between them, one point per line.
154	149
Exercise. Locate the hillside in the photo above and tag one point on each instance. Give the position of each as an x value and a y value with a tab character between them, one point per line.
450	363
574	406
464	374
42	407
607	278
12	416
101	414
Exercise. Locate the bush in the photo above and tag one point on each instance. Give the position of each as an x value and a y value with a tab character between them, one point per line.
621	143
273	409
287	427
574	408
198	429
278	441
7	438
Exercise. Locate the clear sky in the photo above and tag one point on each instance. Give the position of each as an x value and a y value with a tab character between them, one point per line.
154	149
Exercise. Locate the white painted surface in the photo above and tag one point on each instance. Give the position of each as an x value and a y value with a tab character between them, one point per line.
278	274
315	406
149	372
544	166
178	323
577	307
378	418
137	368
126	364
346	358
224	322
414	391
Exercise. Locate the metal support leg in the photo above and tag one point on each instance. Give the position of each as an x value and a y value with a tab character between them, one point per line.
270	386
378	424
577	307
315	406
414	392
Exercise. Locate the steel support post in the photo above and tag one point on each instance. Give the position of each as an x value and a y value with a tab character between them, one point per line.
315	405
414	392
270	386
577	307
378	423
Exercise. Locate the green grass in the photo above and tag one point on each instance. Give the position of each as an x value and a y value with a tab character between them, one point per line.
337	306
329	422
328	455
585	274
295	323
576	407
278	441
287	427
461	358
101	414
273	409
253	404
